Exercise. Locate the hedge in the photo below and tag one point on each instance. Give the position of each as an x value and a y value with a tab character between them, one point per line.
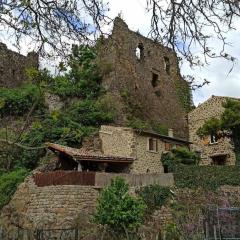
207	177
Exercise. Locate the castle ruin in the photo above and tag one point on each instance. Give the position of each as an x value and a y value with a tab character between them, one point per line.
13	66
149	72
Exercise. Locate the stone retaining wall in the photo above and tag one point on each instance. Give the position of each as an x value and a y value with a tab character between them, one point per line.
48	207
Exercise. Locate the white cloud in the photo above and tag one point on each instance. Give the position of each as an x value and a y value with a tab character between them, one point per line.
135	15
222	82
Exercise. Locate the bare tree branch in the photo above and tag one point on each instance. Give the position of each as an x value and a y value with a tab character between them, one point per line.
53	24
186	24
20	145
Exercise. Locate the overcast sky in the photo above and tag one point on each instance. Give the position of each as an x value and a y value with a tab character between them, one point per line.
222	83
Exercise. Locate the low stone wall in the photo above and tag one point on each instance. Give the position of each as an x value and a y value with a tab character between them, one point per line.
61	206
135	180
48	207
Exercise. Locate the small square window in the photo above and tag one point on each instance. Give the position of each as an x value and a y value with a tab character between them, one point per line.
152	144
213	139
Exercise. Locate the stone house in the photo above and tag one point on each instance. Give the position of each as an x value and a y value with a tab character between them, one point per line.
119	150
13	66
149	73
213	151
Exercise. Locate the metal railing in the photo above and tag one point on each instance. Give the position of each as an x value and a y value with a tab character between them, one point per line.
222	223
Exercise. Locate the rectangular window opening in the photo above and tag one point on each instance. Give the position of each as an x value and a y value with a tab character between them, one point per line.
213	138
155	81
167	65
152	144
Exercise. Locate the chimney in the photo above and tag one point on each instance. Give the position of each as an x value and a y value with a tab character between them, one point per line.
170	132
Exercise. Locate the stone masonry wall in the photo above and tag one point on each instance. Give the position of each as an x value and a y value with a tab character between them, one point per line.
124	72
13	66
48	207
63	206
196	118
147	161
117	141
126	142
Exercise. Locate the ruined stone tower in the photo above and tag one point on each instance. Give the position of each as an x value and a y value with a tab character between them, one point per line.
149	72
13	66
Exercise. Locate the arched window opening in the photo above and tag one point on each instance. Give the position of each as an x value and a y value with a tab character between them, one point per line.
167	65
139	51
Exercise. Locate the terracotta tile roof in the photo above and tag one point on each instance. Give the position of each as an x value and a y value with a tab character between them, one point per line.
87	155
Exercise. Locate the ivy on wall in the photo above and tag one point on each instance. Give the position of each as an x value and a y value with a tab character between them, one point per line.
184	94
135	118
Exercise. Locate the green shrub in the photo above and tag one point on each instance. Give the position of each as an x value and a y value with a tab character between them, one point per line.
91	113
185	156
159	128
206	177
171	232
8	184
179	156
18	101
155	196
56	127
137	123
117	210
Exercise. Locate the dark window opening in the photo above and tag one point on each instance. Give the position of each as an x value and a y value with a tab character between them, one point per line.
165	168
213	138
140	51
167	65
219	160
155	81
1	70
13	72
152	144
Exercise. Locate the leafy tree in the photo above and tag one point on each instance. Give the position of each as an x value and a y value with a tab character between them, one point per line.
85	108
18	101
210	127
118	210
